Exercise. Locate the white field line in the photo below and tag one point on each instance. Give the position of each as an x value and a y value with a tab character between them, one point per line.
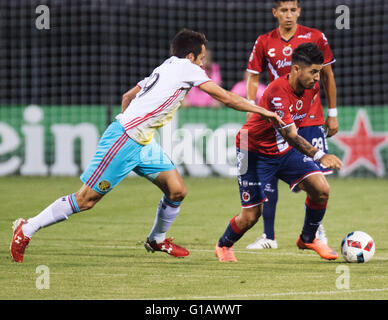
276	294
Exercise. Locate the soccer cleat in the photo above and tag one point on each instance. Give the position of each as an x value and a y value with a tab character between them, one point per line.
319	247
19	241
263	243
321	234
225	254
166	246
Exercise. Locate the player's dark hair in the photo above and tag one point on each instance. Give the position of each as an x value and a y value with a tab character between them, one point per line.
308	54
187	41
276	3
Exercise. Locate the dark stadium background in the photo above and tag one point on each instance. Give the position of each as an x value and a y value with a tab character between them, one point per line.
96	49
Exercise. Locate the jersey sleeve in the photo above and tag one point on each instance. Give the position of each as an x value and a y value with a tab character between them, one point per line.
324	46
142	83
277	100
193	75
256	63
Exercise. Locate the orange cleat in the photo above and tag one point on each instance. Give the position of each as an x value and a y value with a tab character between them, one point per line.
166	246
19	241
225	254
319	247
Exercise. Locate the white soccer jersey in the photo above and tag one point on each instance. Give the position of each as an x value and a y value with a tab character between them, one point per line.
160	96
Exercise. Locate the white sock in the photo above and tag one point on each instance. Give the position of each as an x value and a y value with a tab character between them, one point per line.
165	216
58	211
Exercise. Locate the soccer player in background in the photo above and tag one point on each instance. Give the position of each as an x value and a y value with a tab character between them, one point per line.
127	145
265	151
273	51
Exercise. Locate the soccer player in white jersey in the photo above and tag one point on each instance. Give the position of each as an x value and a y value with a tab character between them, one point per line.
127	145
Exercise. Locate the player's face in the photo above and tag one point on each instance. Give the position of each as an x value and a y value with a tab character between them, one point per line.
308	76
287	14
201	57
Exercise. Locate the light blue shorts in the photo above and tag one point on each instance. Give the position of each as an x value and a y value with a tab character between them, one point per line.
117	155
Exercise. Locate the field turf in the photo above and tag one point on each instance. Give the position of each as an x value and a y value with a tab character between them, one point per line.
100	255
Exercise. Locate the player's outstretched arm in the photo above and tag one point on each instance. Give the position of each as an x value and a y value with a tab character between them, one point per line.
236	102
302	145
128	97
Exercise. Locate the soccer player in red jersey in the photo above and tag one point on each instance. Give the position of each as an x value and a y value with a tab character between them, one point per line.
272	51
265	151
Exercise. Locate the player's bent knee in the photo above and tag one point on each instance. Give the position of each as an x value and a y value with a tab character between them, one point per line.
177	195
321	194
324	192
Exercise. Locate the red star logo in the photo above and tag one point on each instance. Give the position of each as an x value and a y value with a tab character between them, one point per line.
362	146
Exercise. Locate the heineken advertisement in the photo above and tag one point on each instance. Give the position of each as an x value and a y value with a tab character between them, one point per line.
60	140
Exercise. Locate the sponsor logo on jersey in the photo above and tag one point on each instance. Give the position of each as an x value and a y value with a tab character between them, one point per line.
283	63
277	101
305	36
271	52
104	185
298	116
268	188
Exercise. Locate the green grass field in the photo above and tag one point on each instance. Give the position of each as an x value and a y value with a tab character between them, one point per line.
100	255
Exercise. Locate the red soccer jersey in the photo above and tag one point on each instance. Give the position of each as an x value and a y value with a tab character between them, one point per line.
258	135
271	51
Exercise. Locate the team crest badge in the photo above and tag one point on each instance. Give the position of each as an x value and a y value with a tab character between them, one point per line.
246	196
287	51
299	105
104	185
